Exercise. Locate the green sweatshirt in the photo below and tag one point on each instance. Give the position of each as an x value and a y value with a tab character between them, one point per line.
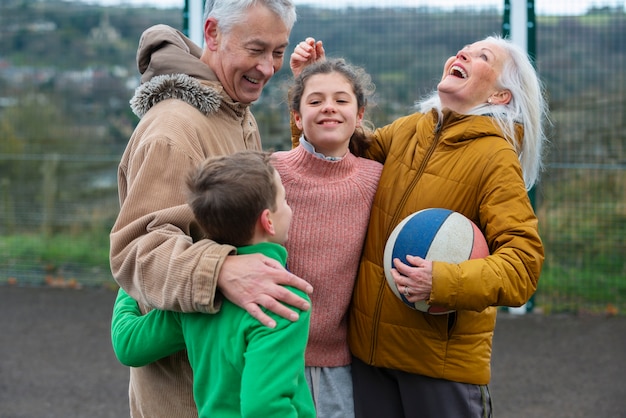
241	368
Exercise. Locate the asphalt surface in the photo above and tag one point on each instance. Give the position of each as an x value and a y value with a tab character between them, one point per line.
56	360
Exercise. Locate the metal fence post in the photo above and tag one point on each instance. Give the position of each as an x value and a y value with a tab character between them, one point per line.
519	26
49	192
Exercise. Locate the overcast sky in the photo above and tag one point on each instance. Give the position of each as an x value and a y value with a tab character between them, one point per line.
559	7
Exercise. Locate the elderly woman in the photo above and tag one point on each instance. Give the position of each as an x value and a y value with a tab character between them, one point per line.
474	147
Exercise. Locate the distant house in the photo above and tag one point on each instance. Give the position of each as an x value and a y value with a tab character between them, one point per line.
104	32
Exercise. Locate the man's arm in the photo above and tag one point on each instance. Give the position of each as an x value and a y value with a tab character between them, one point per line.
153	255
142	339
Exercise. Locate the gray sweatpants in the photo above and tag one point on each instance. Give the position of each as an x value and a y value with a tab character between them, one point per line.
331	388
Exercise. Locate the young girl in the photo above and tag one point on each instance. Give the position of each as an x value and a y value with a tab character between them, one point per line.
330	190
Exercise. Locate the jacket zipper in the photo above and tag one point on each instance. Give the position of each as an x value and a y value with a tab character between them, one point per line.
394	222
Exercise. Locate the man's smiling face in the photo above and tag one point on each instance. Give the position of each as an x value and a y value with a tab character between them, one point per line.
245	58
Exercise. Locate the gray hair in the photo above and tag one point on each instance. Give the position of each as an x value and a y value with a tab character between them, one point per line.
229	12
527	107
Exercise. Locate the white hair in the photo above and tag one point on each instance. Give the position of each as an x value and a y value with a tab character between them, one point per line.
229	12
527	107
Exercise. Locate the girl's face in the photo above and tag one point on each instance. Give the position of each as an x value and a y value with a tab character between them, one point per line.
470	77
329	113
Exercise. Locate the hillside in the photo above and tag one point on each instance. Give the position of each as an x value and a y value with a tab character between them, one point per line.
67	72
82	56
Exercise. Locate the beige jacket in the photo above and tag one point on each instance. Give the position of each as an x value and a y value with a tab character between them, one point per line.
156	254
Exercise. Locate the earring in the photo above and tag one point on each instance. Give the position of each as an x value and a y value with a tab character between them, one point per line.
489	100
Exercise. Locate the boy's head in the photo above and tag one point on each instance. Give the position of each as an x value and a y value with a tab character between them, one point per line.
239	199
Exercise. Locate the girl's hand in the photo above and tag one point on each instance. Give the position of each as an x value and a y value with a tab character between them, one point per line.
305	53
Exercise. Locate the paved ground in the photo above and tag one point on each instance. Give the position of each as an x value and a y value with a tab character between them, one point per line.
56	360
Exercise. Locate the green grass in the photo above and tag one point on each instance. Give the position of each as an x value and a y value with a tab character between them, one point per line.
583	227
570	289
34	259
58	249
572	282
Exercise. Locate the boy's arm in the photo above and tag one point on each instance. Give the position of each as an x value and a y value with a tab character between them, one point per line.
273	382
142	339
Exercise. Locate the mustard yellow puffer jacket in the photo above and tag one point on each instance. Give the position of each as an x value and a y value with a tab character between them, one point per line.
463	164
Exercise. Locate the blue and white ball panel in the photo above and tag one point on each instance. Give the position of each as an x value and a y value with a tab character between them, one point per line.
453	241
434	234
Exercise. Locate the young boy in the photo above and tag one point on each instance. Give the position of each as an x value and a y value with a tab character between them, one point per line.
241	368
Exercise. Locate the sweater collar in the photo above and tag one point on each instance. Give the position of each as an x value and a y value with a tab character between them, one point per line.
316	168
311	148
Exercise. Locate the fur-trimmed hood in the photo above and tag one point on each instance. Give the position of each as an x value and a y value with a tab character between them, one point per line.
176	86
171	68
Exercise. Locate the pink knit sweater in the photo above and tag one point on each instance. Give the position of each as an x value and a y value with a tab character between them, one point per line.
331	203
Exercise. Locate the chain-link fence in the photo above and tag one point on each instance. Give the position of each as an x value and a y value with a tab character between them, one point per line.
57	211
57	208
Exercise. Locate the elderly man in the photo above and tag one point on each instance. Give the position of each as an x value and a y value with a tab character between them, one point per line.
194	104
